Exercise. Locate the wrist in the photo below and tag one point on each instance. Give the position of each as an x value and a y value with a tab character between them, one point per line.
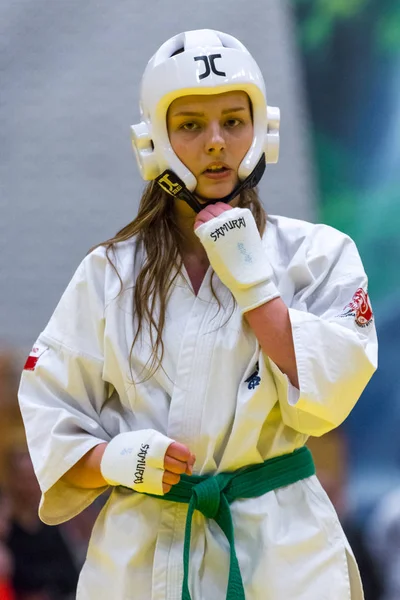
135	459
237	255
86	472
256	295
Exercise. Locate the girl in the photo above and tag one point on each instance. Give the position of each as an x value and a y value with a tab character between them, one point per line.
193	354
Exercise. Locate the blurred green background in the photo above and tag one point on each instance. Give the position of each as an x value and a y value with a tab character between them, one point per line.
351	59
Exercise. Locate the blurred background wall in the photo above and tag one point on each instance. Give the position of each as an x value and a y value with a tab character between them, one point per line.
70	74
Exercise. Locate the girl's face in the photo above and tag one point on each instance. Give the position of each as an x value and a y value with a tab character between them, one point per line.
211	131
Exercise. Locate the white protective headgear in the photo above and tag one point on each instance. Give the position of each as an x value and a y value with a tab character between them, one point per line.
200	62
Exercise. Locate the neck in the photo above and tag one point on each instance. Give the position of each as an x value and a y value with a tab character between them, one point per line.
189	243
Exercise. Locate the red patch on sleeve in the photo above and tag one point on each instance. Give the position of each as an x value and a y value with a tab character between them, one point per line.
360	308
38	349
31	363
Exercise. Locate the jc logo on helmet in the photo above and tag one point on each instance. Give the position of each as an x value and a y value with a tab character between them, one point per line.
209	65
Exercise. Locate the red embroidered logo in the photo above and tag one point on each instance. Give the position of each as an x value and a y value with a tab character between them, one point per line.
359	308
36	352
31	363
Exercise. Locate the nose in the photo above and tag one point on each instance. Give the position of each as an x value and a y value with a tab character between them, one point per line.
215	140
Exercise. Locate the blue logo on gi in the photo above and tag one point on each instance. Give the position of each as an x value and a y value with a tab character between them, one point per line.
254	379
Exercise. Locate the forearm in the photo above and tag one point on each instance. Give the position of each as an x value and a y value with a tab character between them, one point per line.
271	325
86	472
239	260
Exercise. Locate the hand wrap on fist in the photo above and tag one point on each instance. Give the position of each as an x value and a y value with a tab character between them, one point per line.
236	253
136	460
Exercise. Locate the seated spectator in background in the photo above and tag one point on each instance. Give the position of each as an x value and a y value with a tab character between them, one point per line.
6	563
331	460
43	566
383	539
10	415
45	560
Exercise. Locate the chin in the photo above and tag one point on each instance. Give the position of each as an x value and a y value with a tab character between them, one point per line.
214	192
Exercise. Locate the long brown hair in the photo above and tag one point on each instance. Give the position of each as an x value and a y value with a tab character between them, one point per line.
158	236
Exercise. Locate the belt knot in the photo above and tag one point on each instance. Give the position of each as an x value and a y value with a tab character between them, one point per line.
208	496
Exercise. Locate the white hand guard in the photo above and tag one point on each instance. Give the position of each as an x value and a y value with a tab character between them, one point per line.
234	248
136	460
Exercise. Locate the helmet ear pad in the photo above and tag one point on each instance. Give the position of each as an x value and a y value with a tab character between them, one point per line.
143	147
272	136
266	122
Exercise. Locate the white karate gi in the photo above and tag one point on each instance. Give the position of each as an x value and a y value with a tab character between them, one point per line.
289	543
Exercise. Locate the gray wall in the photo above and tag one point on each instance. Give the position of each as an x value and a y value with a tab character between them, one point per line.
69	75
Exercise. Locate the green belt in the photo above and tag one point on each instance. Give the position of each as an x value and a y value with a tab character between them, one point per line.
212	495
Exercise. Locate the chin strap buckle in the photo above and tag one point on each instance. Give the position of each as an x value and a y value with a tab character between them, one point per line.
174	186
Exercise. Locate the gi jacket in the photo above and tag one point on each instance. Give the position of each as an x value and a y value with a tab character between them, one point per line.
221	396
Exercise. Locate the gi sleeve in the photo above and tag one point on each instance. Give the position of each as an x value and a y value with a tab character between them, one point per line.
62	391
333	332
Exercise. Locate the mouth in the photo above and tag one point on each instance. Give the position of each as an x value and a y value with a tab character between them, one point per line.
217	167
217	171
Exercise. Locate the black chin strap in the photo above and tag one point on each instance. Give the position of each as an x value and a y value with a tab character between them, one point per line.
174	186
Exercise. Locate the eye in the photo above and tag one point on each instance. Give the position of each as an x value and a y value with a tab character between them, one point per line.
231	123
190	126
